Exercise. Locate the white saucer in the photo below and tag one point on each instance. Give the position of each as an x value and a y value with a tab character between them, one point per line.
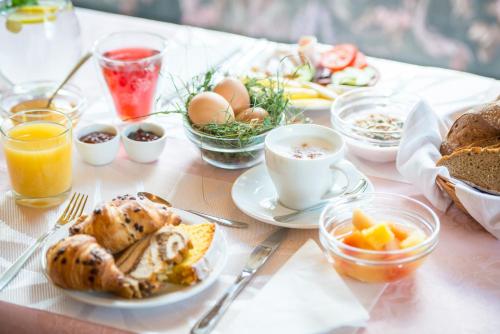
254	194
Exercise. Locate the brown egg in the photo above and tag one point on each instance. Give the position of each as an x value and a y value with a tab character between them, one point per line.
208	107
252	114
235	92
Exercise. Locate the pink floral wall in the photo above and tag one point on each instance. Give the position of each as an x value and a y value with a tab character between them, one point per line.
458	34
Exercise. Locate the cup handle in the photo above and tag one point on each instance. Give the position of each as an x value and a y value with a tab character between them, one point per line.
329	194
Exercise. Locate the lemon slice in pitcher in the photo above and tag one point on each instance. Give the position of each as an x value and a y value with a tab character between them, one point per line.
30	15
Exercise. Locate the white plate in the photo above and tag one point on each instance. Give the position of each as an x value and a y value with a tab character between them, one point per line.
254	194
339	89
176	293
280	50
312	109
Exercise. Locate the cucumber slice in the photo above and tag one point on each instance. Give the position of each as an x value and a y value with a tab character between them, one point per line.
304	72
352	76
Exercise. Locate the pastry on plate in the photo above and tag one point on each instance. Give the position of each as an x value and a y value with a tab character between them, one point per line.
179	255
197	264
126	219
153	257
78	262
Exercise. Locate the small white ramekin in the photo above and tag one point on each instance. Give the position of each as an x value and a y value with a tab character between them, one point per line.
144	151
100	153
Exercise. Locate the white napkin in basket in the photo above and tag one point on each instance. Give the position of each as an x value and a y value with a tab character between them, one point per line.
416	160
305	296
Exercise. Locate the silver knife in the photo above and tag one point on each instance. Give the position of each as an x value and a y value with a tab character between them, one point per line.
259	256
222	221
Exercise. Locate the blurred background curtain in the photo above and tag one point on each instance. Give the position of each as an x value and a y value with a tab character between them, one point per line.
457	34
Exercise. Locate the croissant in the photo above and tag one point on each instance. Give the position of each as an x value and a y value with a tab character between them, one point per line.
126	219
79	262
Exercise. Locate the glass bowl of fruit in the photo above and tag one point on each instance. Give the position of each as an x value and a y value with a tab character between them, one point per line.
378	237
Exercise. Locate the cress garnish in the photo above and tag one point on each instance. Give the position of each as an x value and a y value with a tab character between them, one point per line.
269	97
237	140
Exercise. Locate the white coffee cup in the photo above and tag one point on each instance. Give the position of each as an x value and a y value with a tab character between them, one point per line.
301	180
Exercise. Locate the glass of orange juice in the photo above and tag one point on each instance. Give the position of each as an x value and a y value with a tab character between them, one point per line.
37	148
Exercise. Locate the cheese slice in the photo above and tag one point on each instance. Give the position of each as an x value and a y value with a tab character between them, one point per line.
200	259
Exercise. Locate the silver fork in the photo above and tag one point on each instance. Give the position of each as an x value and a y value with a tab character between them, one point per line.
73	209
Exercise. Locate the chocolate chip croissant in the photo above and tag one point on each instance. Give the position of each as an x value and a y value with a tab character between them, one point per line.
126	219
79	262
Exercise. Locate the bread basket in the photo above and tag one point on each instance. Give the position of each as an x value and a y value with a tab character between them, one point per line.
449	187
470	128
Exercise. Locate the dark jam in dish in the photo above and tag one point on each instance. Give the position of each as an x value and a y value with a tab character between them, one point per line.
97	137
141	135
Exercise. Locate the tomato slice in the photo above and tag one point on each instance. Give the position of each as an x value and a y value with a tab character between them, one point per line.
359	60
339	57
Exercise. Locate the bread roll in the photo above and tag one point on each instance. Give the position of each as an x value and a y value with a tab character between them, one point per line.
476	166
471	127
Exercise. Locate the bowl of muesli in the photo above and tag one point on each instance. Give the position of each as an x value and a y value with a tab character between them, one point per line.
371	121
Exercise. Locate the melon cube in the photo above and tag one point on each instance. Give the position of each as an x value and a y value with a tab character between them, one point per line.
361	220
399	232
392	245
413	239
356	239
378	235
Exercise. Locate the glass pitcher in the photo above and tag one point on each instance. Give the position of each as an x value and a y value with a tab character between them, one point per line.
39	40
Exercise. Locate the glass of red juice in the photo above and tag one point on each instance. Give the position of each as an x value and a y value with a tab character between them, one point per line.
130	63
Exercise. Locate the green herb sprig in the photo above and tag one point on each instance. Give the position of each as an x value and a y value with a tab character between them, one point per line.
270	98
17	3
265	93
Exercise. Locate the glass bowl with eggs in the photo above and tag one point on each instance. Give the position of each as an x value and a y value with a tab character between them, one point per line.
371	121
228	119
